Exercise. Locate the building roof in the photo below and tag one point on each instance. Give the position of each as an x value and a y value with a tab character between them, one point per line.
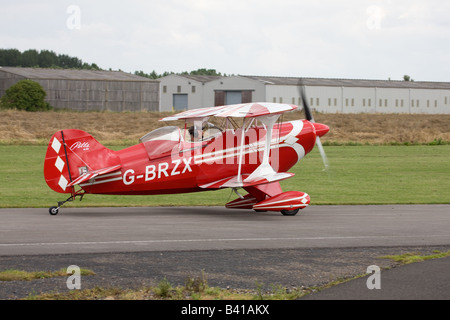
349	82
198	78
73	74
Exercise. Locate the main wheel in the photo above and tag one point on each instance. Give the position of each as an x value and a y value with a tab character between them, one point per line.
289	212
53	210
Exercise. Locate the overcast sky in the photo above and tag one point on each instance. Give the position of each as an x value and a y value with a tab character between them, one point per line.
357	39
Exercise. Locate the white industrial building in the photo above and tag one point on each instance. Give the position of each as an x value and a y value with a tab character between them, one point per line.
181	92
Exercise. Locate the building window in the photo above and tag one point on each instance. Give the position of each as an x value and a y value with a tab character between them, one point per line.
178	89
353	102
317	101
346	102
401	103
274	99
293	100
311	101
280	99
385	102
329	102
164	89
193	89
364	102
435	103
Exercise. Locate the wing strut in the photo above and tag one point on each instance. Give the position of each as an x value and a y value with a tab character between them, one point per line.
265	169
241	153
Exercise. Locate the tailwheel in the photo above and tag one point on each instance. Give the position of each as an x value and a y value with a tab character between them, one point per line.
289	212
54	210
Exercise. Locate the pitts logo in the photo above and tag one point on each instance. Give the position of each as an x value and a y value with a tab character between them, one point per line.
80	145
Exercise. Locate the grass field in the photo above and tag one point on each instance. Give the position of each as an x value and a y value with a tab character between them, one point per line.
363	174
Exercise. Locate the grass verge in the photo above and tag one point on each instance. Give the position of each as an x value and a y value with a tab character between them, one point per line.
412	257
20	275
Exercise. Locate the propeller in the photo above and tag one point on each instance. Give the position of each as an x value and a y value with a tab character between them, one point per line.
310	118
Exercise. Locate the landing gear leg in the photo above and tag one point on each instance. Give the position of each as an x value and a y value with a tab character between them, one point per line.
54	210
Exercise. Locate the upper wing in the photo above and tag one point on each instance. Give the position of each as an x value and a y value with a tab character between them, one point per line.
243	110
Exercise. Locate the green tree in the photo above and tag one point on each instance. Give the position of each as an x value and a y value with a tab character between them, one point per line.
47	59
67	62
205	72
10	57
25	95
30	58
407	78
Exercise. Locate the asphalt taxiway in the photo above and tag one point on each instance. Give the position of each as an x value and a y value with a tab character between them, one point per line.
84	230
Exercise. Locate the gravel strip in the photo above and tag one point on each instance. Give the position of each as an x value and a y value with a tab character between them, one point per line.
235	269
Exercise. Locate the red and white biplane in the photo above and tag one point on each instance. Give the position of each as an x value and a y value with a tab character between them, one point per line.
253	156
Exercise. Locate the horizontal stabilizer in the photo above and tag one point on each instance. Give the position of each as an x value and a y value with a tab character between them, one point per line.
92	174
234	182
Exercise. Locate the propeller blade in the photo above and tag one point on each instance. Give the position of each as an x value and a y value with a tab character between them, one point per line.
306	107
309	117
322	153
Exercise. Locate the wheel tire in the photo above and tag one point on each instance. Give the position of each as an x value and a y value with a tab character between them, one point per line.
53	211
289	212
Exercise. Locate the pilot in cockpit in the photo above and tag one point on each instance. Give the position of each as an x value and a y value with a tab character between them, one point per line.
206	132
196	133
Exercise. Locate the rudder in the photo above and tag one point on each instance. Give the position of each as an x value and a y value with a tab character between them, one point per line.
72	152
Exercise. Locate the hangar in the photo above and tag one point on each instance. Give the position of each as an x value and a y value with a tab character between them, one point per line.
325	95
88	90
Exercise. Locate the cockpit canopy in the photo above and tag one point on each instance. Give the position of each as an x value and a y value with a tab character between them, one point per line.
169	139
169	133
162	141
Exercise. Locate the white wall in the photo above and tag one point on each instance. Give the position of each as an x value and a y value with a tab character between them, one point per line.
174	84
233	83
364	100
321	98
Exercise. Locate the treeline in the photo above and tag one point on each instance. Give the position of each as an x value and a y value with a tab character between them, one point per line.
49	59
198	72
42	59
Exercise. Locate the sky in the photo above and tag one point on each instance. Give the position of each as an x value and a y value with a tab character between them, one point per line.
352	39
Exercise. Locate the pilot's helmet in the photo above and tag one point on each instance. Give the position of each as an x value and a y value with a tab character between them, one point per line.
193	131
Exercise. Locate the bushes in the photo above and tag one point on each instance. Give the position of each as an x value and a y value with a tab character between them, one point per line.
25	95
